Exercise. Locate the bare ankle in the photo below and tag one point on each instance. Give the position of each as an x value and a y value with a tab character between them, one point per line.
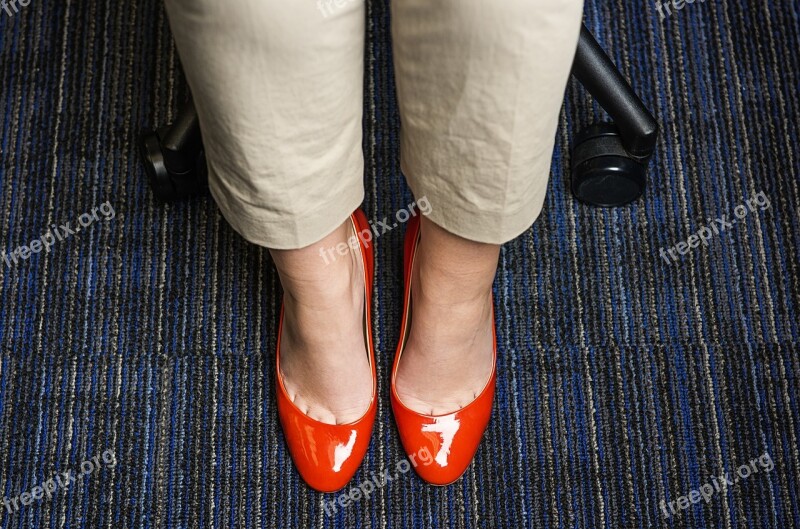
453	269
309	280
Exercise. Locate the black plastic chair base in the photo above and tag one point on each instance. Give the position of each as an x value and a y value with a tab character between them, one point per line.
604	174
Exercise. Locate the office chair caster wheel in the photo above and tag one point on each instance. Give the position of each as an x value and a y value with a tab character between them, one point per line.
173	157
170	185
153	160
603	173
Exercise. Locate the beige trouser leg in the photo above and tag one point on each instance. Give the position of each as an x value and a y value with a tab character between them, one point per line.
278	87
480	86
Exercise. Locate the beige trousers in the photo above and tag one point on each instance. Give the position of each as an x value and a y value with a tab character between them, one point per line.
278	85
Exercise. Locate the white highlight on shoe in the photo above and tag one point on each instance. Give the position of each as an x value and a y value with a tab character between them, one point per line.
447	427
342	452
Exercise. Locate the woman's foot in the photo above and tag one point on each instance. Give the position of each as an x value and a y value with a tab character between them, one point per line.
447	359
323	355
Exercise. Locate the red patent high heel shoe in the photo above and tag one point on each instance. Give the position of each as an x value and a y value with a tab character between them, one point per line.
327	455
450	440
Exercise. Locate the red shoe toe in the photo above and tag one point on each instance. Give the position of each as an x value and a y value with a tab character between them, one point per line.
326	455
441	447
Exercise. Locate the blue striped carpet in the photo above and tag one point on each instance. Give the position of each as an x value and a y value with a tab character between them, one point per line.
136	368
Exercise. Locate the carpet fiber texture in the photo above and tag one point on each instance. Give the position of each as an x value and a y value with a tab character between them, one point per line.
136	359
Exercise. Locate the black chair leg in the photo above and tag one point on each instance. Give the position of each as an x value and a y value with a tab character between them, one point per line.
609	161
